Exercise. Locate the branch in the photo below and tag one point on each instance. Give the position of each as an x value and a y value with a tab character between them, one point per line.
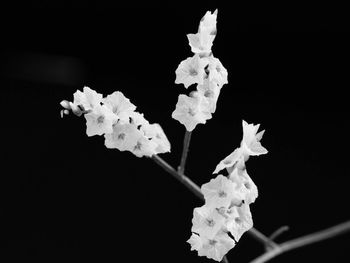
304	241
278	232
256	234
180	177
187	139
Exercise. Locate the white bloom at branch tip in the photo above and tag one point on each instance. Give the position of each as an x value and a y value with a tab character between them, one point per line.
137	119
144	147
230	160
245	186
208	22
155	133
100	120
88	99
238	225
250	145
210	91
191	110
251	139
202	41
220	191
217	72
120	105
124	137
191	71
215	248
206	221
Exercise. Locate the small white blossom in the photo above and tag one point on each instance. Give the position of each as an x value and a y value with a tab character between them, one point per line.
144	147
250	145
244	185
217	72
100	120
156	134
238	225
202	41
206	221
210	91
88	99
120	105
208	22
191	71
230	160
251	139
220	191
215	248
191	111
124	137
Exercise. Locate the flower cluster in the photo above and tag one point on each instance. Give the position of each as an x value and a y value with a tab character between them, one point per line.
226	212
204	70
115	117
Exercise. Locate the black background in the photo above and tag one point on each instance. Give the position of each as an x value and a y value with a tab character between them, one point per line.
66	198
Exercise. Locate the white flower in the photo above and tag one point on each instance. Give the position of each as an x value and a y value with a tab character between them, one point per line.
144	147
191	71
208	22
210	91
120	105
220	192
217	72
206	221
215	248
156	134
100	120
244	185
88	99
138	119
238	225
202	41
251	140
250	145
191	111
230	160
124	137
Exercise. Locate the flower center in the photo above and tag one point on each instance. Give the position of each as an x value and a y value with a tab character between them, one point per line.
100	119
137	146
121	136
210	222
191	112
212	242
193	72
222	194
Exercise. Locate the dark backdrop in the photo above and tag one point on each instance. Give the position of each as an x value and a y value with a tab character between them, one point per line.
66	198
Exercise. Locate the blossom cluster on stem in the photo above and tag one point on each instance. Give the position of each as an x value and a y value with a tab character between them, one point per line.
115	117
226	216
204	70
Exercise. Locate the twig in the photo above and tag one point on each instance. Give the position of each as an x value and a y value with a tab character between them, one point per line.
256	234
224	259
278	232
267	242
304	241
187	139
180	177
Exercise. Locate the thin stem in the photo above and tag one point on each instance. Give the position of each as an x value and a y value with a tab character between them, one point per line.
279	232
304	241
256	234
262	238
224	259
180	177
187	139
